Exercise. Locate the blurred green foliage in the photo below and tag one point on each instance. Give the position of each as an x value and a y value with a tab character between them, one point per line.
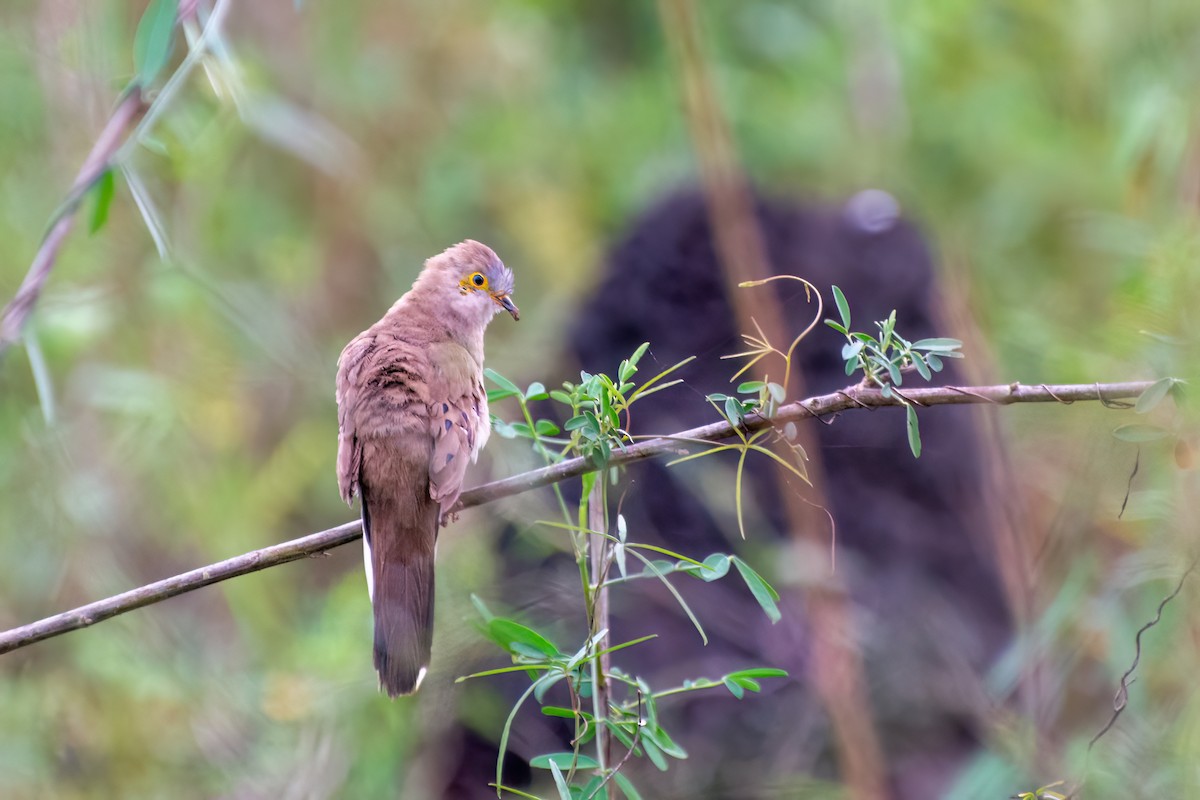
1049	149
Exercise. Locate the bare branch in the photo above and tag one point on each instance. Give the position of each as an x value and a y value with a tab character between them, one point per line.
316	543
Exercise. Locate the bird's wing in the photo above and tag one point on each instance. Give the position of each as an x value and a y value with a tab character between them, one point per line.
458	420
347	390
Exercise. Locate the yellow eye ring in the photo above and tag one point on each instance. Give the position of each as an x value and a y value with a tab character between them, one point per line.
479	280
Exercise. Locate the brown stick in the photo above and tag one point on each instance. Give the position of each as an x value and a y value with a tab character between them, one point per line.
128	110
317	543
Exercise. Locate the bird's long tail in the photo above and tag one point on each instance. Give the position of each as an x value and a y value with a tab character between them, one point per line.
399	537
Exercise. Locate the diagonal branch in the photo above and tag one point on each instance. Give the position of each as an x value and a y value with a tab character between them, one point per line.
128	111
316	543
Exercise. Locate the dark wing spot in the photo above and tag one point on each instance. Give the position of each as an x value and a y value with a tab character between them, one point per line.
445	407
449	457
449	424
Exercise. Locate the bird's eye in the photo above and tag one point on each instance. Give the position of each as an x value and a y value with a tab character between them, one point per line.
478	279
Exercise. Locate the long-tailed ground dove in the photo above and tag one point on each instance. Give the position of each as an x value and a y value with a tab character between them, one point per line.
412	411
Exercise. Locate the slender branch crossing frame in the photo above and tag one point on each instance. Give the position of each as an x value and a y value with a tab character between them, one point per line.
821	407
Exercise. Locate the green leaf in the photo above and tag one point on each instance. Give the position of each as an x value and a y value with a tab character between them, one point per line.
501	381
842	306
894	374
664	742
494	395
914	432
934	362
545	427
637	354
777	392
153	39
750	387
716	566
536	391
563	761
762	591
560	396
560	783
837	326
509	633
102	191
734	688
559	711
626	787
482	608
1140	433
576	422
654	754
937	344
1153	395
922	368
745	683
759	672
733	410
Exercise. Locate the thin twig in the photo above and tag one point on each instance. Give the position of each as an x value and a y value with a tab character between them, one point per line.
822	405
1121	699
128	110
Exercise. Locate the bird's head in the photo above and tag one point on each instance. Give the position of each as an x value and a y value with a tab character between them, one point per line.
471	279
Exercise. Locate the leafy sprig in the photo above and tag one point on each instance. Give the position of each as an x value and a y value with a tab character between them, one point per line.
885	359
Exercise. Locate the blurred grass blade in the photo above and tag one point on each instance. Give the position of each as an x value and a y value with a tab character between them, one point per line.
102	196
152	42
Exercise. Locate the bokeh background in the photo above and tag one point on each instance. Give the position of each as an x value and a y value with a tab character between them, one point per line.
172	404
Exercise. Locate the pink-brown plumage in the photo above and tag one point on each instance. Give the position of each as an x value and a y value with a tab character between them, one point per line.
412	412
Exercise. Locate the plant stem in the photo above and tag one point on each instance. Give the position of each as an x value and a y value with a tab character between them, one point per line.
598	546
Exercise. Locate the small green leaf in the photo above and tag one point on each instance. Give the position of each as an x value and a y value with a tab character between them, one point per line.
102	191
716	566
1140	433
922	368
560	396
563	761
637	354
777	392
894	374
750	387
734	688
733	410
503	428
914	432
558	711
762	591
153	39
545	427
746	683
759	672
509	633
842	306
1153	395
659	736
501	381
536	391
943	344
934	362
560	783
837	326
626	787
482	608
654	754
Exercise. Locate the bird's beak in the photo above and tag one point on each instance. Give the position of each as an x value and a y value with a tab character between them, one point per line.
505	302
